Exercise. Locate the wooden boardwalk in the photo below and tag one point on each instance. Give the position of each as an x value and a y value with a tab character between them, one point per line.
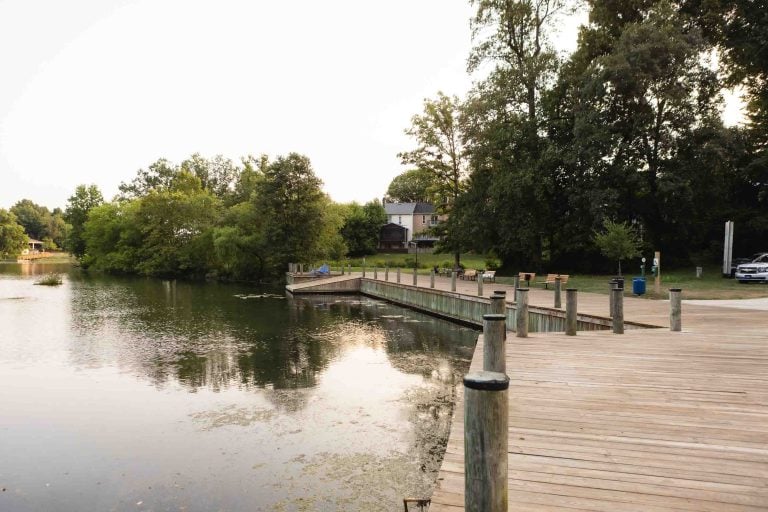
646	421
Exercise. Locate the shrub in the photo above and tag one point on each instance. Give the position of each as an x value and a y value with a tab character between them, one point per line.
50	280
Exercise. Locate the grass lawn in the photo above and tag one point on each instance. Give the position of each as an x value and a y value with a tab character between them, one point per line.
711	285
426	261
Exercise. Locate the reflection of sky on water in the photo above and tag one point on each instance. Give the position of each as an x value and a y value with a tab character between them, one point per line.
120	391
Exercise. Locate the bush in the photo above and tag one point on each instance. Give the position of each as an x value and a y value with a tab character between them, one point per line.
50	280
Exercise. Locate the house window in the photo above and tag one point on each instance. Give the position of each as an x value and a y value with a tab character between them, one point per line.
423	219
400	219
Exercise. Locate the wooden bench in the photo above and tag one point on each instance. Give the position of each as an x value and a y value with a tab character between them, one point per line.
469	274
551	280
527	277
489	275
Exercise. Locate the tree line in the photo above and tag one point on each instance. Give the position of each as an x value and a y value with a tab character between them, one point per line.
212	218
545	150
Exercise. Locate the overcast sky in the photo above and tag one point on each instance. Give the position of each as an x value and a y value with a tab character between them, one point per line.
93	90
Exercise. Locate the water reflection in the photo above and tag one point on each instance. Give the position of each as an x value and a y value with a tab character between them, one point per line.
216	396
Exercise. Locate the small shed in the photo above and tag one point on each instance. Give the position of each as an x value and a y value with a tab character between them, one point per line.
393	236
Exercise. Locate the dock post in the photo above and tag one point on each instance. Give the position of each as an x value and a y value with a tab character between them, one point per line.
349	268
675	310
522	313
479	285
499	303
494	340
453	280
611	286
375	273
432	278
386	273
363	270
414	277
398	275
571	302
342	269
301	268
558	302
517	286
486	441
618	310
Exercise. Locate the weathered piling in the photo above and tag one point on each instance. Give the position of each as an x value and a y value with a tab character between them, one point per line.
486	442
375	273
479	285
398	275
363	270
301	268
617	314
498	304
494	341
517	287
675	309
453	280
432	278
571	304
558	303
522	313
414	277
386	274
611	286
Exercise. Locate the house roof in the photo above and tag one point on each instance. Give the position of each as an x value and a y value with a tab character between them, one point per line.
408	208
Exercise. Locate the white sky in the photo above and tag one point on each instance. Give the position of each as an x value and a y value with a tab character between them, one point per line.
93	90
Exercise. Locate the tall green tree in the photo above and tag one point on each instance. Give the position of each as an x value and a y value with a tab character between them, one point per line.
440	152
362	226
79	205
12	236
33	217
618	241
413	186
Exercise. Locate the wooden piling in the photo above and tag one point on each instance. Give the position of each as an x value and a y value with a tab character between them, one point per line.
375	273
386	274
432	278
486	441
617	315
675	310
558	284
498	304
571	304
517	286
363	270
479	285
453	280
398	275
494	341
522	313
415	278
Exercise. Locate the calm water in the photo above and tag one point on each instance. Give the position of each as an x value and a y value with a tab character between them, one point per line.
141	394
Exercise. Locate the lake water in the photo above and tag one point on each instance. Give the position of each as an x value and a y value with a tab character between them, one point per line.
147	395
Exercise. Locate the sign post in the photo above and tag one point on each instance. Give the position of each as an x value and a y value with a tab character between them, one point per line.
728	248
657	266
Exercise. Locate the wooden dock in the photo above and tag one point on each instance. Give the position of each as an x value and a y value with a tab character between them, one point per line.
646	421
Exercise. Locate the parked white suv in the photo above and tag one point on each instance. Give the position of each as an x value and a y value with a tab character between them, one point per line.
757	270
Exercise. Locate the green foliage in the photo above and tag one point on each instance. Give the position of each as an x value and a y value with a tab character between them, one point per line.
617	241
76	214
413	186
50	280
362	226
12	237
40	223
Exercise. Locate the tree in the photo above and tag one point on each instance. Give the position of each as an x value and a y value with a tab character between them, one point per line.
290	202
362	226
617	241
12	237
33	217
76	214
412	186
440	151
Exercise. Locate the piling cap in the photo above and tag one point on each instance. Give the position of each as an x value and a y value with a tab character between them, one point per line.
675	289
500	292
486	381
494	317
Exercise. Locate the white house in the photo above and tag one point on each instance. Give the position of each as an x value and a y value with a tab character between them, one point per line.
416	218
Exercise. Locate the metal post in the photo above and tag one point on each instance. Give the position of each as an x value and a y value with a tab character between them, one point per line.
494	337
675	310
522	313
486	441
571	302
398	275
618	310
453	280
432	278
414	278
479	285
558	284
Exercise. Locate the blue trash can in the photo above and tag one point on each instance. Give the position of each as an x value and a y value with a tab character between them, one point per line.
638	285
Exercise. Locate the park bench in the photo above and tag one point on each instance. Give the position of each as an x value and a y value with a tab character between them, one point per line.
527	277
551	279
469	275
489	275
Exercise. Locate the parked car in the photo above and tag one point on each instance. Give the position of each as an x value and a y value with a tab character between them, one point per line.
754	271
738	261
